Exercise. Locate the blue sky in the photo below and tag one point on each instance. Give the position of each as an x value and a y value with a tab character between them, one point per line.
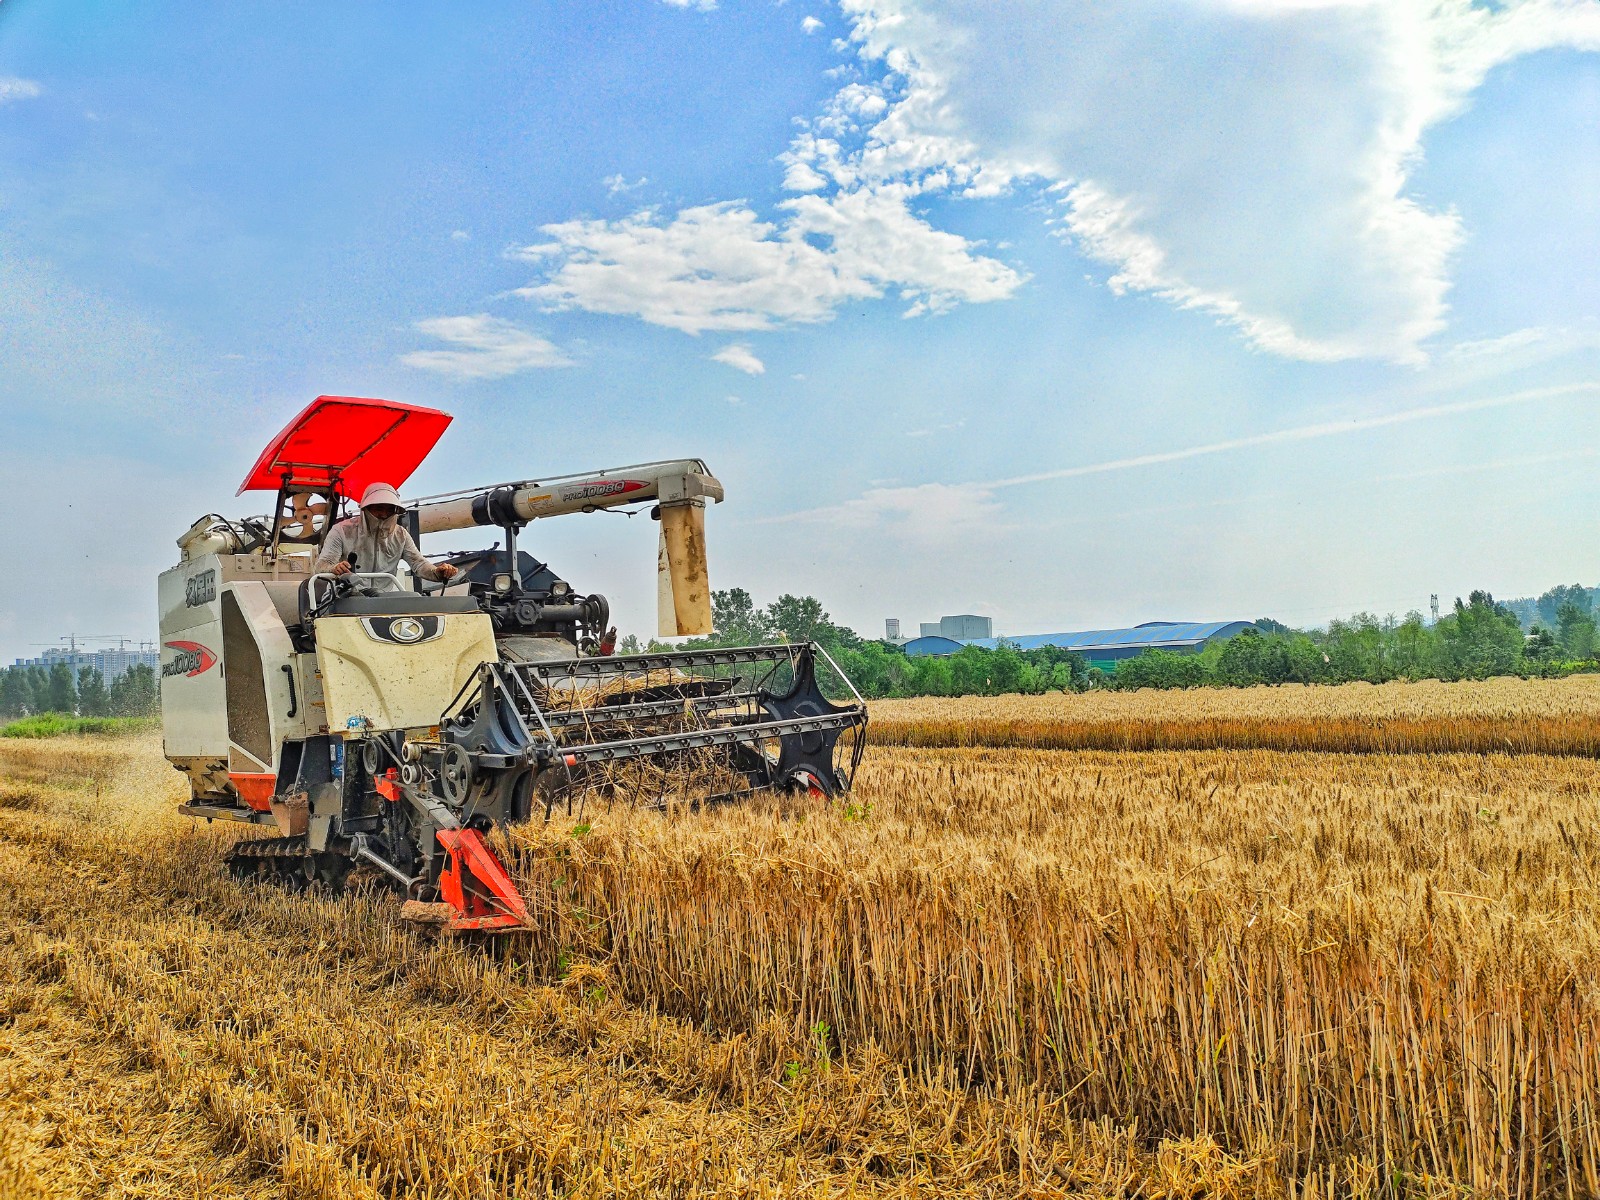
1070	314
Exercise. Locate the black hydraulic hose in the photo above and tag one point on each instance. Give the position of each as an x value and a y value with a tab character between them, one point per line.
294	701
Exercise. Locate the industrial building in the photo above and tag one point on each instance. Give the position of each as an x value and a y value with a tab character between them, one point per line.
964	627
1101	647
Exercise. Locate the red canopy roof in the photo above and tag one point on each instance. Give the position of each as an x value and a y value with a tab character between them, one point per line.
350	442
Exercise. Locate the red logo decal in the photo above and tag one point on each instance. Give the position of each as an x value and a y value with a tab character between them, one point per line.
599	488
192	659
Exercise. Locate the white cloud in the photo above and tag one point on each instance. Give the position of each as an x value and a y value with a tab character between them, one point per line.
12	88
720	267
1248	158
460	235
810	25
490	348
698	5
741	358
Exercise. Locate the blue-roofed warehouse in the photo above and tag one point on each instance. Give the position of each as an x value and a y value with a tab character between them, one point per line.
1101	647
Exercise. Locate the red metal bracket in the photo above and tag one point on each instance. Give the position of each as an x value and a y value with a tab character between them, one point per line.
476	886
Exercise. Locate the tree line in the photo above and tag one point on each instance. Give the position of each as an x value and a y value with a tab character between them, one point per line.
33	691
1479	638
1555	634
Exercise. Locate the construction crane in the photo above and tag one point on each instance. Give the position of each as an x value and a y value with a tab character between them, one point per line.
373	721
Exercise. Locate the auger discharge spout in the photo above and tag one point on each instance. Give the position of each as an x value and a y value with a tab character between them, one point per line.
680	489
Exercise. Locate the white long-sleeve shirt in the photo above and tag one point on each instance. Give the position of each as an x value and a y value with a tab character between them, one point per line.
377	550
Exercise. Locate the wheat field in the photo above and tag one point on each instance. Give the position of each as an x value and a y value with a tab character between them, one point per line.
992	972
1517	716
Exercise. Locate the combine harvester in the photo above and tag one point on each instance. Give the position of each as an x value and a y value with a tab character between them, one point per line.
375	721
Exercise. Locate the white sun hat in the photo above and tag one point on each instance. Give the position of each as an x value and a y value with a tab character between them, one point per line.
380	493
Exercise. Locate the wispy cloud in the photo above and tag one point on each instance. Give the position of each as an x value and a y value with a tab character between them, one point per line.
697	5
12	88
617	185
926	514
490	348
741	358
930	430
810	25
888	499
1521	344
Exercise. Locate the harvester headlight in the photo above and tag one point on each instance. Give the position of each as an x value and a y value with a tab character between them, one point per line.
561	588
502	583
406	629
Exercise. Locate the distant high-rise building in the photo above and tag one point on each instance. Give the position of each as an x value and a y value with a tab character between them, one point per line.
110	663
891	628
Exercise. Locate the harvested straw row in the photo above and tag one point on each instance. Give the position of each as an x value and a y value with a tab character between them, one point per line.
313	1048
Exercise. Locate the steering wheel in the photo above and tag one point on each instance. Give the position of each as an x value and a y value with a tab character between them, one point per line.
350	585
341	586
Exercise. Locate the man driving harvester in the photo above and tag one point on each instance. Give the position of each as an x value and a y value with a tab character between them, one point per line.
374	541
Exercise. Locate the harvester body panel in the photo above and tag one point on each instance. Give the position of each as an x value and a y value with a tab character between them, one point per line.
398	670
231	686
193	702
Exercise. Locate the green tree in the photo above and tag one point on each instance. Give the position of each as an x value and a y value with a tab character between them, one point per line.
1244	660
1359	648
931	677
92	698
61	695
134	693
1161	669
969	672
1416	654
1550	604
1005	669
803	619
1481	638
1540	646
1576	631
1063	678
15	694
737	620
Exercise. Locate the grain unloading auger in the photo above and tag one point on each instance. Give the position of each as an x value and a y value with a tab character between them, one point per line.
378	722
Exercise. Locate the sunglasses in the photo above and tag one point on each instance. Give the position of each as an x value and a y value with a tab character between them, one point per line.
382	510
